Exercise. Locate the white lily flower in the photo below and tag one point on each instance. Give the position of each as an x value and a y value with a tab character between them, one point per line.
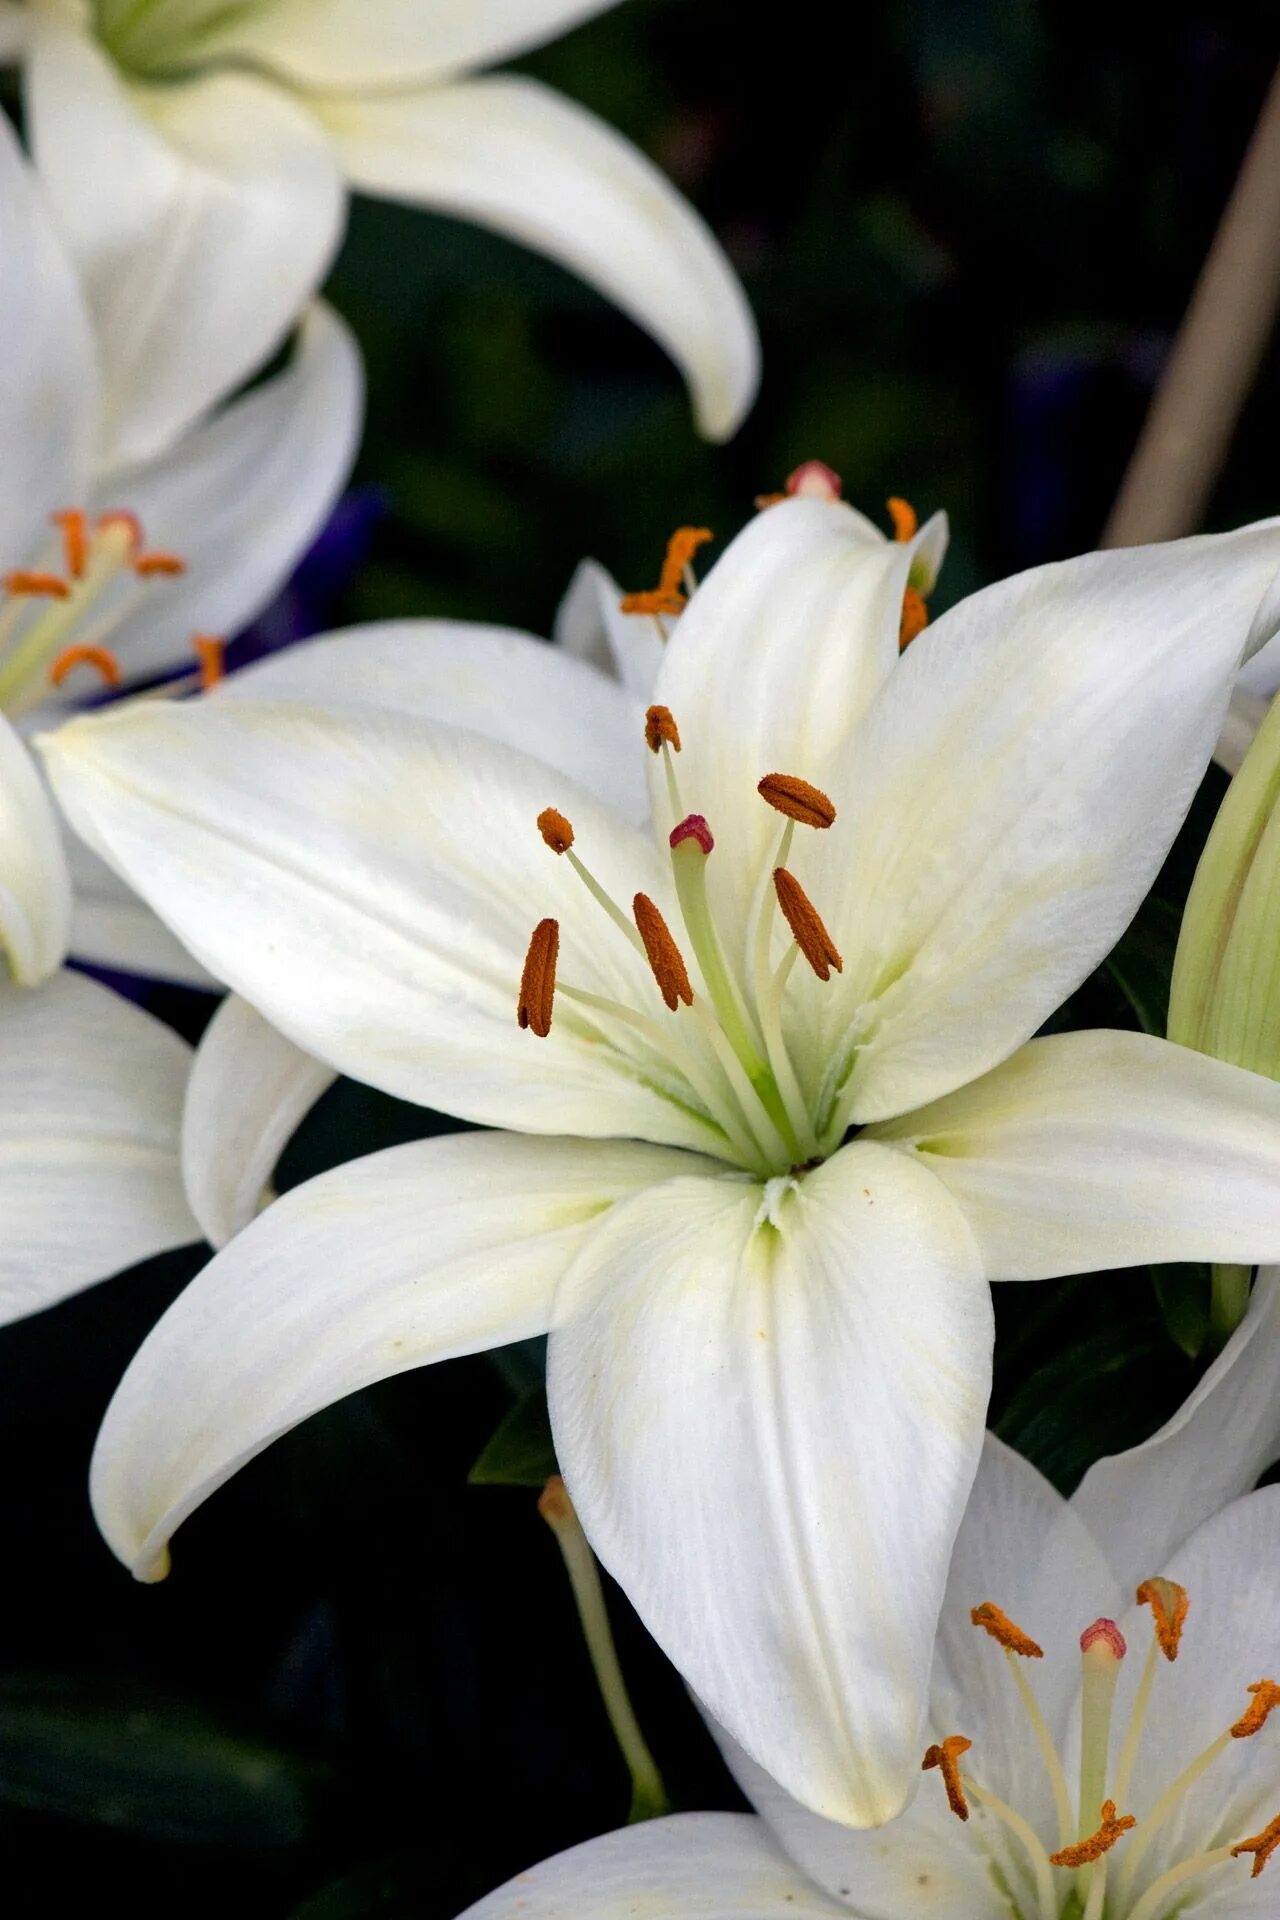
217	141
770	1343
107	571
1255	689
1103	1757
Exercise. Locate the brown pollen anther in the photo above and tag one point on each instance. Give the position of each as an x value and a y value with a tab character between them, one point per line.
210	650
1266	1698
103	662
807	930
1168	1603
998	1624
538	981
1262	1846
669	595
1084	1852
147	564
555	830
947	1759
914	618
662	953
905	520
788	793
49	586
75	543
661	730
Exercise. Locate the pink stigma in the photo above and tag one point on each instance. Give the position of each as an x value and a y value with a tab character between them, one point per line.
694	827
1104	1630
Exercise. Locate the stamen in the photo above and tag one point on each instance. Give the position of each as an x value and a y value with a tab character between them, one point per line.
1023	1831
75	542
1262	1846
660	729
662	953
998	1624
555	830
100	659
788	794
800	914
692	827
671	593
1083	1852
914	618
147	564
210	650
947	1759
1266	1698
1169	1604
48	585
538	981
1155	1902
904	518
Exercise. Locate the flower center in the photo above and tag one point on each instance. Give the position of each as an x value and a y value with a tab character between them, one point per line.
1078	1879
153	37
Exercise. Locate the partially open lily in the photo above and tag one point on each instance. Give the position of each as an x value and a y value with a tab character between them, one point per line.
759	1220
216	142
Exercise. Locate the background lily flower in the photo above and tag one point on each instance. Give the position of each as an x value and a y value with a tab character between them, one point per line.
738	1298
218	141
108	569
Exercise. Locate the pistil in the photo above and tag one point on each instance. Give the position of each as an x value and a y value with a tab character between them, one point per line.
1102	1649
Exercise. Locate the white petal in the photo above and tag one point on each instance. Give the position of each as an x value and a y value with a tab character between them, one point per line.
1142	1504
35	891
111	927
692	1866
591	625
427	1251
200	215
492	680
348	43
242	497
1013	794
370	882
1100	1149
89	1106
1244	716
248	1090
48	380
769	1413
511	154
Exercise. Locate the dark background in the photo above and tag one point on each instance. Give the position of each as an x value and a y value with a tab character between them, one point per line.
968	232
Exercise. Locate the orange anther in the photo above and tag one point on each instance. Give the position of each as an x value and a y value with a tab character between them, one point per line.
1168	1603
555	830
1262	1846
947	1759
51	585
1266	1698
147	564
75	540
554	1504
669	596
805	922
913	619
662	953
102	662
128	522
538	981
660	730
1086	1851
210	651
990	1618
903	516
789	794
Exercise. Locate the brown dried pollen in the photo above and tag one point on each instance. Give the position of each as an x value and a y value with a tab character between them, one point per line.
788	793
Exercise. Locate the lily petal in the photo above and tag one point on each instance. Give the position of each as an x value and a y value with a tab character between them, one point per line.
201	215
1014	792
248	1090
89	1107
1142	1504
1099	1149
346	43
769	1410
421	1253
505	685
590	625
35	889
691	1866
512	155
369	882
112	928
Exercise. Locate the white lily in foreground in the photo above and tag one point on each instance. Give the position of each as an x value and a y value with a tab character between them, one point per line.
1103	1756
867	882
216	140
108	571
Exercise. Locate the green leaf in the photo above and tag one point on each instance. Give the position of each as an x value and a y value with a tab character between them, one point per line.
520	1453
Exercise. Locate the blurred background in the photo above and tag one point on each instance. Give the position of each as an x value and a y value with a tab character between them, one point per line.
968	232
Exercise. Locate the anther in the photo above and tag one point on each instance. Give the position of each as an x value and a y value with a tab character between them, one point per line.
75	541
538	981
555	830
1262	1846
48	585
662	953
1107	1634
947	1760
661	730
1266	1698
788	794
692	827
100	659
990	1618
210	651
670	596
147	564
1084	1852
1168	1603
807	930
913	619
904	518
